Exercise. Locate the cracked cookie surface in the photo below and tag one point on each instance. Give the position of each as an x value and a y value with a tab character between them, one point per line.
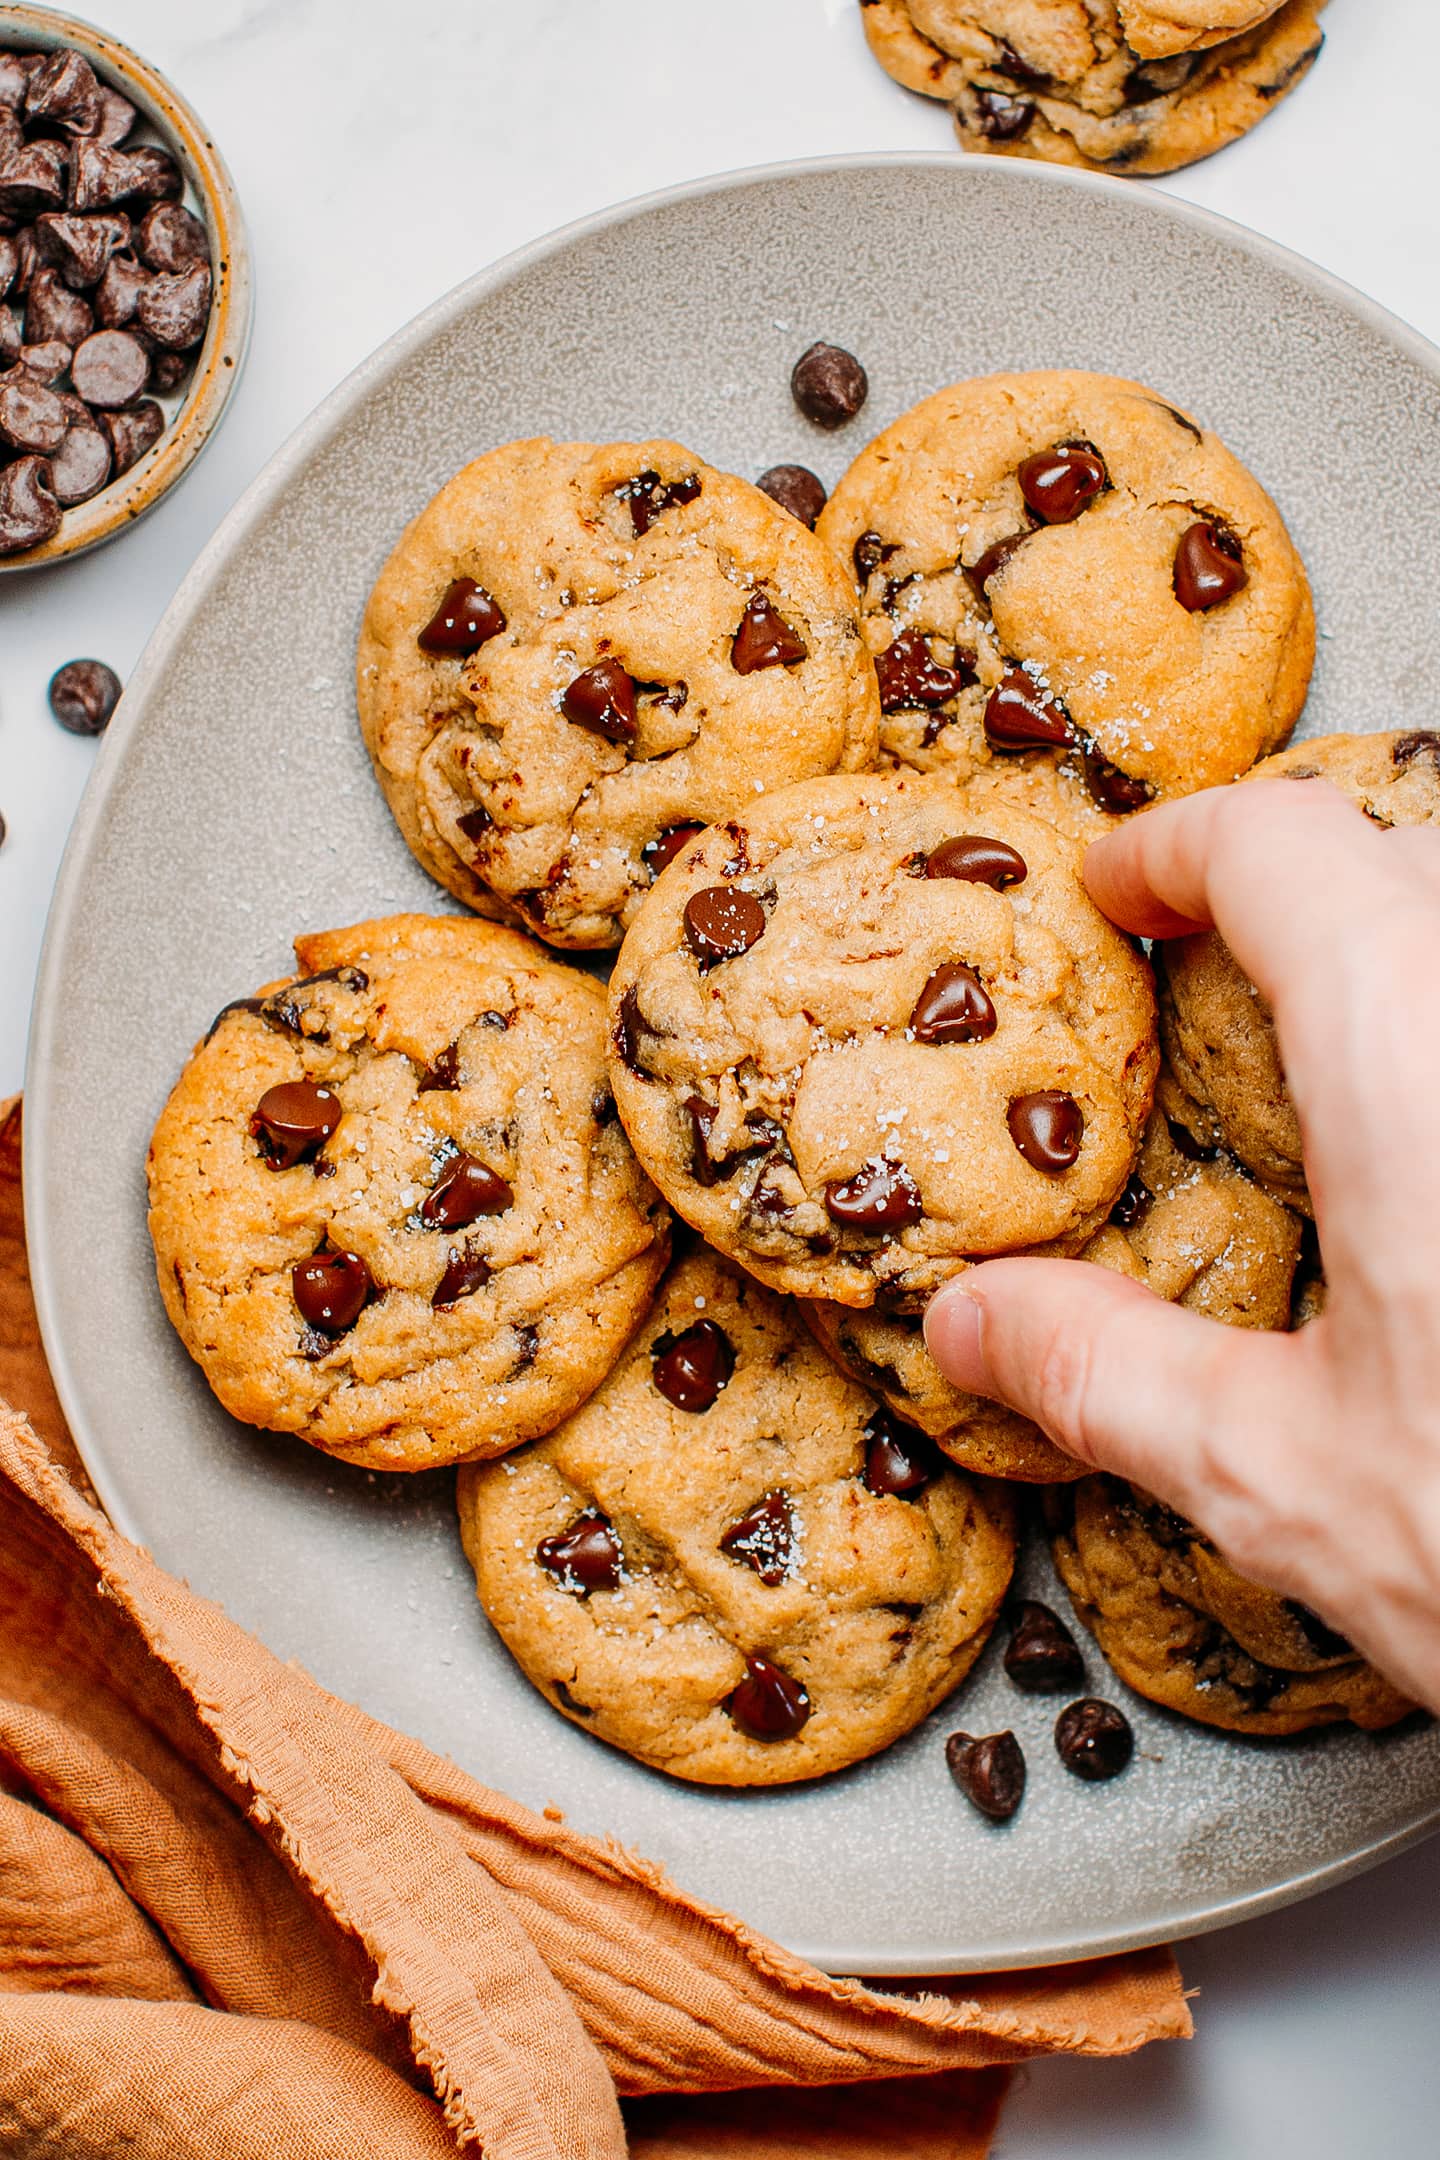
732	1563
860	1038
1181	1626
578	653
1072	585
392	1207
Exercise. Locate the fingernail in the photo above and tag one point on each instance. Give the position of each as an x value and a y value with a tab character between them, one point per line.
952	1336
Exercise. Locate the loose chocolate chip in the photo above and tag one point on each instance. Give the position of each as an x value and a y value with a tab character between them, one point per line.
47	362
990	1772
602	700
9	261
764	1539
1116	791
909	674
29	513
659	853
691	1368
121	283
585	1557
1209	566
33	181
993	561
702	1116
953	1007
102	176
132	432
110	369
763	638
32	418
1093	1739
81	466
977	859
796	489
996	115
464	1273
869	552
52	310
1057	484
64	87
1131	1204
465	620
1421	742
9	339
768	1704
1042	1655
899	1459
647	495
174	308
1046	1127
294	1119
829	385
171	239
1019	715
83	694
881	1195
721	922
116	118
467	1191
168	369
331	1290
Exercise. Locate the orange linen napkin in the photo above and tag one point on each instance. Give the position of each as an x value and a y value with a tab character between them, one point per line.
241	1920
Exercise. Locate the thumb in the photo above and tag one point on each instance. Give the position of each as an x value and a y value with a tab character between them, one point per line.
1113	1374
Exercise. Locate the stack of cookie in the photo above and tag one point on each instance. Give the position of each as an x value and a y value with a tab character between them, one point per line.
828	794
1121	86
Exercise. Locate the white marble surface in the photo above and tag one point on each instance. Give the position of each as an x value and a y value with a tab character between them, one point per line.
383	156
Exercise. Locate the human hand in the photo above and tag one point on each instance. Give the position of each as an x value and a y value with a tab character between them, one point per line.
1312	1459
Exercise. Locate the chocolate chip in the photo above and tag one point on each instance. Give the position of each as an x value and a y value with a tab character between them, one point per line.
1209	566
118	293
467	1191
116	117
721	922
953	1007
81	466
331	1290
132	432
1019	715
602	700
1421	742
768	1704
1057	484
1042	1656
585	1557
629	1025
1132	1204
9	262
444	1075
702	1116
9	339
993	561
1009	63
475	824
881	1195
466	619
83	694
169	369
33	180
464	1273
171	239
659	853
102	176
1116	791
977	859
869	552
174	308
1159	78
64	87
990	1772
1188	1144
996	115
52	310
1093	1739
647	495
909	674
829	385
764	1539
691	1368
900	1461
46	362
293	1119
796	489
29	513
32	418
110	369
1046	1127
763	638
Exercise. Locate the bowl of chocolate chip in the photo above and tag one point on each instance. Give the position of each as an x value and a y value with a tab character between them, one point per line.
124	287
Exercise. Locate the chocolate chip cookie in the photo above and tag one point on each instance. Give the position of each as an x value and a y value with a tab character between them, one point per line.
1183	1628
859	1040
577	656
1065	573
1227	1084
1196	1232
733	1563
1104	84
393	1209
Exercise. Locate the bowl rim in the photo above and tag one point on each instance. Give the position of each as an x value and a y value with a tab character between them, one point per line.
131	494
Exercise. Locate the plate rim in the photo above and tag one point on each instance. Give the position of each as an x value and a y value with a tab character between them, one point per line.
255	500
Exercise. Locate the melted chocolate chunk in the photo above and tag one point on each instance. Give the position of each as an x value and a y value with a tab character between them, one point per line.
1132	1204
467	1191
881	1195
1094	1740
702	1116
690	1369
443	1076
768	1704
331	1290
584	1558
953	1007
466	619
764	1539
763	638
978	859
1116	791
464	1273
990	1772
629	1026
1047	1128
900	1461
1019	715
869	552
1042	1656
1058	484
1420	742
647	495
909	674
293	1120
721	922
287	1010
475	824
998	116
829	385
659	853
602	700
1188	1145
993	561
796	489
1209	566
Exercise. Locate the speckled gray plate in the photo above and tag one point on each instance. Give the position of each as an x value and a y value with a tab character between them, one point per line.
233	804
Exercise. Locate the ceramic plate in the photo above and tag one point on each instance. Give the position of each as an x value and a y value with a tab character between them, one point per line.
233	804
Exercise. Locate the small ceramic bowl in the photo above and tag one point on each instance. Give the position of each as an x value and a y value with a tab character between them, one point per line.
193	413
